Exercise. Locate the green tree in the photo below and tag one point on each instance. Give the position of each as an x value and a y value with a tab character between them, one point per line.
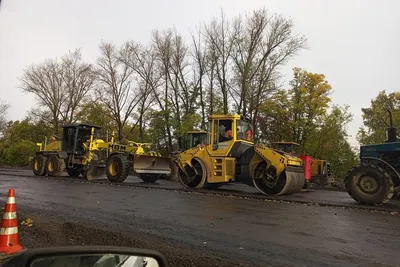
309	97
301	115
329	141
98	114
26	130
275	118
376	118
18	144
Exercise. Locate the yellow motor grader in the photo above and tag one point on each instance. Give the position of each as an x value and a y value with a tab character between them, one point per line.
228	154
148	165
80	152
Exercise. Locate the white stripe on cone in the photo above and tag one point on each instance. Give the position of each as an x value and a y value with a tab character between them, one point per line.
9	215
11	200
9	231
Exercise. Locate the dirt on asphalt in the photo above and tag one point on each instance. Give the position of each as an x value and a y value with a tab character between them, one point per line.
48	233
193	229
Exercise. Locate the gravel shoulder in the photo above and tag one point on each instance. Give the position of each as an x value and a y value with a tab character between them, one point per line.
45	232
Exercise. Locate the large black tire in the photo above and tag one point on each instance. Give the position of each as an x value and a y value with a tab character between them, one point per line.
39	165
369	184
55	166
149	177
74	172
117	168
193	180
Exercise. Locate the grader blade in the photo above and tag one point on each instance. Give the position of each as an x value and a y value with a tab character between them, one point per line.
94	171
152	164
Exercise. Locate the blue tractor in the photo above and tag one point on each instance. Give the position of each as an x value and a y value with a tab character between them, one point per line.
376	179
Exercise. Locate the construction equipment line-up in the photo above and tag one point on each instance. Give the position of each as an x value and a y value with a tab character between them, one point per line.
224	154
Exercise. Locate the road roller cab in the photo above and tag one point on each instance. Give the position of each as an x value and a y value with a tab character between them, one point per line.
194	138
230	155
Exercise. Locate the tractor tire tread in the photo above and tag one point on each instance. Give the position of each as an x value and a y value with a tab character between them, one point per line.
355	193
59	166
42	165
124	164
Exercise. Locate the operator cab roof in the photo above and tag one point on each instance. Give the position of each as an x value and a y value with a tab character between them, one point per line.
196	131
286	143
80	125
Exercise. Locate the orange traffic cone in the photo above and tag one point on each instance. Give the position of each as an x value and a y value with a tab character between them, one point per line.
9	226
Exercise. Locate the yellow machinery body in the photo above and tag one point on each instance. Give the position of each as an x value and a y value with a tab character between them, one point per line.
320	169
230	155
81	152
146	164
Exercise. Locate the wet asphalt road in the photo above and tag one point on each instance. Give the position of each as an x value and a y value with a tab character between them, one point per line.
327	197
245	230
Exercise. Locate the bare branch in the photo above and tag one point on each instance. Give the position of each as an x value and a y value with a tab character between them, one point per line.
115	85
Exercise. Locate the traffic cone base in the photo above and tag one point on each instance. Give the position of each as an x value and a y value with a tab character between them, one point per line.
9	227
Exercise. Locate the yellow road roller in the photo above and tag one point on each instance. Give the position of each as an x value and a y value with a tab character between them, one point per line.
227	153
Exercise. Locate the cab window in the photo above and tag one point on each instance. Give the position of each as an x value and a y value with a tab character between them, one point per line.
244	131
225	130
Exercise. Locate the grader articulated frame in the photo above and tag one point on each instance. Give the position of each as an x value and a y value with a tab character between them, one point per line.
80	152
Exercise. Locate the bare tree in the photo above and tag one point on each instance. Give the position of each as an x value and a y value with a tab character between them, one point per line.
59	87
262	43
115	88
199	54
3	112
220	45
45	81
162	44
79	78
144	63
183	92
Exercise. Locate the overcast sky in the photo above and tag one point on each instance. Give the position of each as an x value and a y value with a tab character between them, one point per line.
354	43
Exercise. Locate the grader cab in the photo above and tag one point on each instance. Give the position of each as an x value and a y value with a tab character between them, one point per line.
230	155
194	138
78	152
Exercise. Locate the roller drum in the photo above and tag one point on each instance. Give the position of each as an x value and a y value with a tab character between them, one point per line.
290	181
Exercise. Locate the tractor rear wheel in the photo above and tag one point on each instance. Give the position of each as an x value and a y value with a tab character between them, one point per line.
117	168
369	184
39	165
55	166
149	177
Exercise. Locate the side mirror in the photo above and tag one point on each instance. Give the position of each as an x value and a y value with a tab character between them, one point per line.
89	256
215	146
